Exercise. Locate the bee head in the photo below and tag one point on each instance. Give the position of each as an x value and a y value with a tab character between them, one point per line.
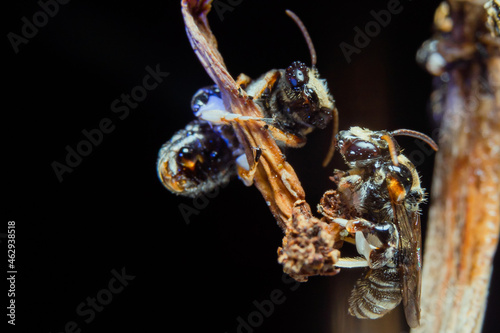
309	101
297	75
361	147
307	97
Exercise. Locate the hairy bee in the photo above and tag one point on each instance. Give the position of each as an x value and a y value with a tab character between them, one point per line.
382	193
206	154
201	156
295	99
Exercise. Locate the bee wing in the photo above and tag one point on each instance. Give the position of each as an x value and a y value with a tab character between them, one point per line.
410	266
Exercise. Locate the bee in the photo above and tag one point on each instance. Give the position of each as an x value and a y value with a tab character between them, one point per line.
201	156
206	154
381	192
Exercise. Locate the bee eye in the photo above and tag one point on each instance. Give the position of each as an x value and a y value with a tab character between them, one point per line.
360	150
297	75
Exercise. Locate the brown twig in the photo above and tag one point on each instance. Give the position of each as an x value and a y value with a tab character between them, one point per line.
274	176
464	218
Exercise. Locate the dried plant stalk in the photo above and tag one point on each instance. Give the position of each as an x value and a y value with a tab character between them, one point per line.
464	218
274	176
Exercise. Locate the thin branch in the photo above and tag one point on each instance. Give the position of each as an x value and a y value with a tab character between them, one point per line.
464	218
274	176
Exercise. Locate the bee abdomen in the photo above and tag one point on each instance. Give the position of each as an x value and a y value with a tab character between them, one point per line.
375	294
198	159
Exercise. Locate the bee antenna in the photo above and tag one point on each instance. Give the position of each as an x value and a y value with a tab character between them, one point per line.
308	39
392	148
417	135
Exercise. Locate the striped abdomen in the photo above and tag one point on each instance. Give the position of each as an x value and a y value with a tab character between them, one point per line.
376	293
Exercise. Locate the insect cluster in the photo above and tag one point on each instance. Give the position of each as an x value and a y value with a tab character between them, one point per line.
206	154
375	203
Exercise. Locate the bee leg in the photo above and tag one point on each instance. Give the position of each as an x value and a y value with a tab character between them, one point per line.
266	85
220	117
333	142
288	139
374	241
243	80
223	117
354	225
338	175
245	171
351	262
215	112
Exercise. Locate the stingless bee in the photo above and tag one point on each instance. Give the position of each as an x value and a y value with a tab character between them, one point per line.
381	195
206	154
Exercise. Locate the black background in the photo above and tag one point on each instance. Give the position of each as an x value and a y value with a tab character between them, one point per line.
112	212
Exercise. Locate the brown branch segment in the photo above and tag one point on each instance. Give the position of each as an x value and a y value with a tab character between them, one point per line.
464	218
275	178
309	244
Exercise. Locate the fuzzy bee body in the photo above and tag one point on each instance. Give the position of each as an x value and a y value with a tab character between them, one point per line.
297	99
382	192
376	293
380	290
294	101
198	158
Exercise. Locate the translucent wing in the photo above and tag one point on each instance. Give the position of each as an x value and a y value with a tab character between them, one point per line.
410	265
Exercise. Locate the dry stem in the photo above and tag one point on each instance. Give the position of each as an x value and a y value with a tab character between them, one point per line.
274	176
464	218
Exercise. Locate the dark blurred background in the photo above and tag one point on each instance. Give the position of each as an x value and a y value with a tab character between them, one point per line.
112	213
